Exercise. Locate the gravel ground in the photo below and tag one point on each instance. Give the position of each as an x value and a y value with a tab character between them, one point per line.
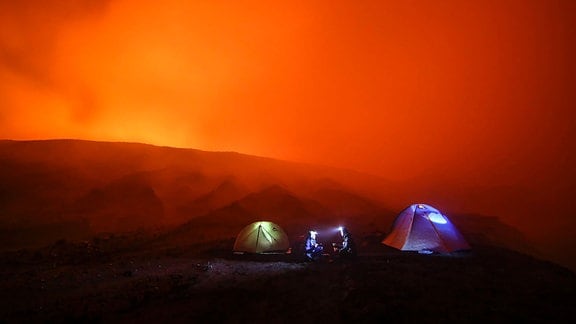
168	285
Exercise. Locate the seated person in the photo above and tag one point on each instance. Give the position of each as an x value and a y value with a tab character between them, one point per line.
313	250
348	248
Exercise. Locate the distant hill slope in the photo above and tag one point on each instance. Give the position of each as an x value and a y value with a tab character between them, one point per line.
129	186
74	189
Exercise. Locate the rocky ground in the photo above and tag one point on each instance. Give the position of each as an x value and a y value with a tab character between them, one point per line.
87	282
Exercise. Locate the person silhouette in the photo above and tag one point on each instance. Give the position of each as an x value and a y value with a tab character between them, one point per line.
348	249
313	249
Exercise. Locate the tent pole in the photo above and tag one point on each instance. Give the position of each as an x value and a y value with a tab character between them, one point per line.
410	227
271	236
258	236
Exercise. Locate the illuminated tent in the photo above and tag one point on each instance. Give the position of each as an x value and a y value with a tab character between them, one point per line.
423	228
261	237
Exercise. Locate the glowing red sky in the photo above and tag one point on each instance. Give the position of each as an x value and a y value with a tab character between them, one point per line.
396	88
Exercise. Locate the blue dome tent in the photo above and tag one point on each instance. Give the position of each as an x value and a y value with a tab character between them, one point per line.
423	228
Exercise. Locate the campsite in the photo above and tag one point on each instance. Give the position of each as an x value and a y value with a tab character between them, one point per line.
121	232
260	275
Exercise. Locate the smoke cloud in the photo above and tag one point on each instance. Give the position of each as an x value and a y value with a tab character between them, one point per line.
480	91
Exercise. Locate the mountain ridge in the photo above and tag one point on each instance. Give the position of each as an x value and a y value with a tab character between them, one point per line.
45	180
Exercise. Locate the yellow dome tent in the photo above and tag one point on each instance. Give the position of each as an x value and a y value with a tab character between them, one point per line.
261	237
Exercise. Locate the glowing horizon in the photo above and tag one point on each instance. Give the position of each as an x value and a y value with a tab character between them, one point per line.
464	90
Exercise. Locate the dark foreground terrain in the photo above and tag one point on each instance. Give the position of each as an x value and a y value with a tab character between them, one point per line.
91	282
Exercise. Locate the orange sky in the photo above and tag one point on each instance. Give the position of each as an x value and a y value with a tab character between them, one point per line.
478	89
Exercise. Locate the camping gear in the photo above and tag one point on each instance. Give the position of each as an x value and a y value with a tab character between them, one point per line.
261	237
424	229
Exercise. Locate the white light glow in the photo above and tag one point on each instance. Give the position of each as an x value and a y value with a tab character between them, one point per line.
437	218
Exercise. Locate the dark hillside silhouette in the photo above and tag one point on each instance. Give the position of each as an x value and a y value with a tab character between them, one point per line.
72	189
